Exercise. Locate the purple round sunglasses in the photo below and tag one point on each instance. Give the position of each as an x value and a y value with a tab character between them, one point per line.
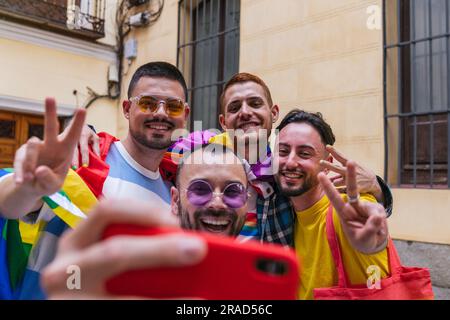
200	192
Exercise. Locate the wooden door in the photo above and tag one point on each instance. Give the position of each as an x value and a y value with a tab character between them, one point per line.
9	138
16	129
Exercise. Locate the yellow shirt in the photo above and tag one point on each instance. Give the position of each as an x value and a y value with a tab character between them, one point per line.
317	269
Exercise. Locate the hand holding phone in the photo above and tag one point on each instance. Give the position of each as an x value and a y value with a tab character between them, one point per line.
230	270
84	262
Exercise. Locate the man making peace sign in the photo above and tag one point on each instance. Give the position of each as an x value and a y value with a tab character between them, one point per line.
359	222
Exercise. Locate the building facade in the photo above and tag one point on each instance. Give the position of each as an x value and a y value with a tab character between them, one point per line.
377	70
40	56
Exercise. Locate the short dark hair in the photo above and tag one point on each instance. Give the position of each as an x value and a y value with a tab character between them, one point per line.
316	120
158	69
242	78
213	146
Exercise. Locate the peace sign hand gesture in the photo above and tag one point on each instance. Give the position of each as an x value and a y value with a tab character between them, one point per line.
40	167
365	178
364	223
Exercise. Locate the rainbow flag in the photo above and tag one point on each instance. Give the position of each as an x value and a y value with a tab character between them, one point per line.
73	201
18	237
13	253
5	283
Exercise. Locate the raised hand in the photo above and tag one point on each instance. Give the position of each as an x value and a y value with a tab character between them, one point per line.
40	167
365	178
99	260
88	137
364	223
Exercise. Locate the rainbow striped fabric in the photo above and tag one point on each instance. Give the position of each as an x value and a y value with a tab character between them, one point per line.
25	245
15	246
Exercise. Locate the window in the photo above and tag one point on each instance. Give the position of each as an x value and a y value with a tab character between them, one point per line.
208	53
86	16
416	92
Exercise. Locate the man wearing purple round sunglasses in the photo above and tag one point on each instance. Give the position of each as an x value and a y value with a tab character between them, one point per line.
211	191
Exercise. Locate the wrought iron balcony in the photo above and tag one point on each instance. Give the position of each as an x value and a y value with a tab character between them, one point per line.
80	18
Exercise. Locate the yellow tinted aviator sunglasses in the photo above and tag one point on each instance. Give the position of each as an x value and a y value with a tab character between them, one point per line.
147	103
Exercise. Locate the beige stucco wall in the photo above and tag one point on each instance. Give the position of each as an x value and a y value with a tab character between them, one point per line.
421	215
33	72
321	56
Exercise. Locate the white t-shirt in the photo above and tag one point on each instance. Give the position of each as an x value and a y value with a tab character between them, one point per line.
127	179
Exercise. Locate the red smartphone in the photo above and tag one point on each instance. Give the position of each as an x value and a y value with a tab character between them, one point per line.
230	271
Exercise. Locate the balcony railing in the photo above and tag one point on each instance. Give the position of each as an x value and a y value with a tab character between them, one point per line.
81	18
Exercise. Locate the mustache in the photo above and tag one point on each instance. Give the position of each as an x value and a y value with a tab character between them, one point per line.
223	213
170	123
291	171
249	121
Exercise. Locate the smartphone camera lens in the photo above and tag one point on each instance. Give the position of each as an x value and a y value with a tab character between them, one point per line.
272	267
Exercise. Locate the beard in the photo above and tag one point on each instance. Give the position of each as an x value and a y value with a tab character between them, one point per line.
295	191
232	229
157	141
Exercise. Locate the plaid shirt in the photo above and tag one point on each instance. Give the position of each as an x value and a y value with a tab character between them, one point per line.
276	219
276	216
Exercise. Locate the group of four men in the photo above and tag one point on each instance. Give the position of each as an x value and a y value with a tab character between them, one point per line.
204	182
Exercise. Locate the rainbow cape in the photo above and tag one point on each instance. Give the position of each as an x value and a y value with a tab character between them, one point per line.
19	237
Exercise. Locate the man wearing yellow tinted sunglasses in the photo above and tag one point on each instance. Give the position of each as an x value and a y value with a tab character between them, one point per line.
125	169
155	108
150	104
